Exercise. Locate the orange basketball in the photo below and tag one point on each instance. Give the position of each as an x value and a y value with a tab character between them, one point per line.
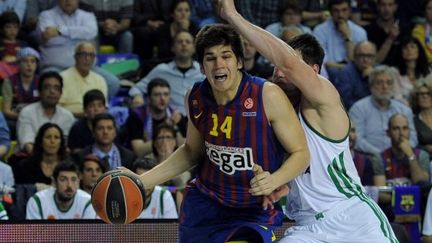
118	198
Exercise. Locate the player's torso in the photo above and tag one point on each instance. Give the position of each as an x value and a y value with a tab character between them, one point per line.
236	136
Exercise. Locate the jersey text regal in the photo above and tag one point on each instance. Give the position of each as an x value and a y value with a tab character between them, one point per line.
230	159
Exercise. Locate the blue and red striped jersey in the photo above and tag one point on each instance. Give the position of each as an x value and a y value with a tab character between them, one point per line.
236	136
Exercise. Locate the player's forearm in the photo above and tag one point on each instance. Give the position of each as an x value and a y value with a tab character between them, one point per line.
295	165
180	161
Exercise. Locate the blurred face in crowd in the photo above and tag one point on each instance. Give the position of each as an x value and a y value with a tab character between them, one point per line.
68	6
28	66
291	17
183	46
424	98
364	55
165	142
51	141
340	12
84	58
159	98
10	31
90	173
386	9
410	52
181	12
67	184
382	87
249	50
398	129
105	132
95	107
428	11
51	92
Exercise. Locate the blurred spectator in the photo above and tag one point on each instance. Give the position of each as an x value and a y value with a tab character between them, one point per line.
289	15
371	113
114	18
259	12
33	116
314	11
91	168
427	221
149	16
421	103
65	200
366	164
18	6
4	136
20	89
10	44
34	8
159	202
80	135
79	79
181	21
412	65
61	29
363	11
104	133
49	150
387	31
352	80
181	73
203	12
338	35
250	63
144	119
422	31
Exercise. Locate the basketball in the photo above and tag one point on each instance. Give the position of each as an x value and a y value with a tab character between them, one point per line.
118	198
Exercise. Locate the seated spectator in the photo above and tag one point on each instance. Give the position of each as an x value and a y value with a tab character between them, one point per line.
338	34
352	80
181	21
259	12
80	135
143	120
91	168
104	133
290	16
63	201
159	202
79	79
114	20
20	89
49	150
17	6
250	63
421	103
363	11
427	220
314	12
371	113
421	31
402	161
33	116
181	73
412	65
4	136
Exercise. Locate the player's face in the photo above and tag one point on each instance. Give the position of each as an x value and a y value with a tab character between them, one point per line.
95	107
91	172
51	141
27	66
105	132
222	69
398	129
67	184
160	98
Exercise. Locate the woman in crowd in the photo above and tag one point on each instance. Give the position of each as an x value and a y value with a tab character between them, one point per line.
421	102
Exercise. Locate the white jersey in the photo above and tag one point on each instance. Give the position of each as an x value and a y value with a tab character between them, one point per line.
43	206
162	205
330	178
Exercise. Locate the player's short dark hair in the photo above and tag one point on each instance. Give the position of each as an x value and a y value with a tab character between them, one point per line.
65	165
218	34
93	95
144	164
47	75
157	82
309	47
100	117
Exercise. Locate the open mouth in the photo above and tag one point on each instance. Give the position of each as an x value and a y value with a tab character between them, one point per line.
220	77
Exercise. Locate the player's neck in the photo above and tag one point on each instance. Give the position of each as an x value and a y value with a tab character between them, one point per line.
63	205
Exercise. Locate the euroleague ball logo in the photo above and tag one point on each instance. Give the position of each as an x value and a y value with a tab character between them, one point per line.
248	103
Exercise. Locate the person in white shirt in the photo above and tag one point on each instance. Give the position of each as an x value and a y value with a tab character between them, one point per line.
65	200
159	203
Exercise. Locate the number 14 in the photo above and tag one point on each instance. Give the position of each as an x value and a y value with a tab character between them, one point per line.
226	126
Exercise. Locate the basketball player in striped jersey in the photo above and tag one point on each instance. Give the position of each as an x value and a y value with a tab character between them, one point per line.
327	201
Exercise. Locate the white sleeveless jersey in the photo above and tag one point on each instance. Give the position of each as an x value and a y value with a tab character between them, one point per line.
330	179
43	206
162	205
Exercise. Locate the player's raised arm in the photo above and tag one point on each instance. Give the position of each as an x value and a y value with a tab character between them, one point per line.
285	58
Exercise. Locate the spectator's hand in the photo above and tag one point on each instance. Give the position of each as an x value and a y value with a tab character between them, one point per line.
324	15
110	27
405	146
154	24
49	33
176	117
137	100
9	59
394	31
367	71
343	28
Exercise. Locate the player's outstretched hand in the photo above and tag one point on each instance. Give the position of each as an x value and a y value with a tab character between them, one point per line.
225	8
